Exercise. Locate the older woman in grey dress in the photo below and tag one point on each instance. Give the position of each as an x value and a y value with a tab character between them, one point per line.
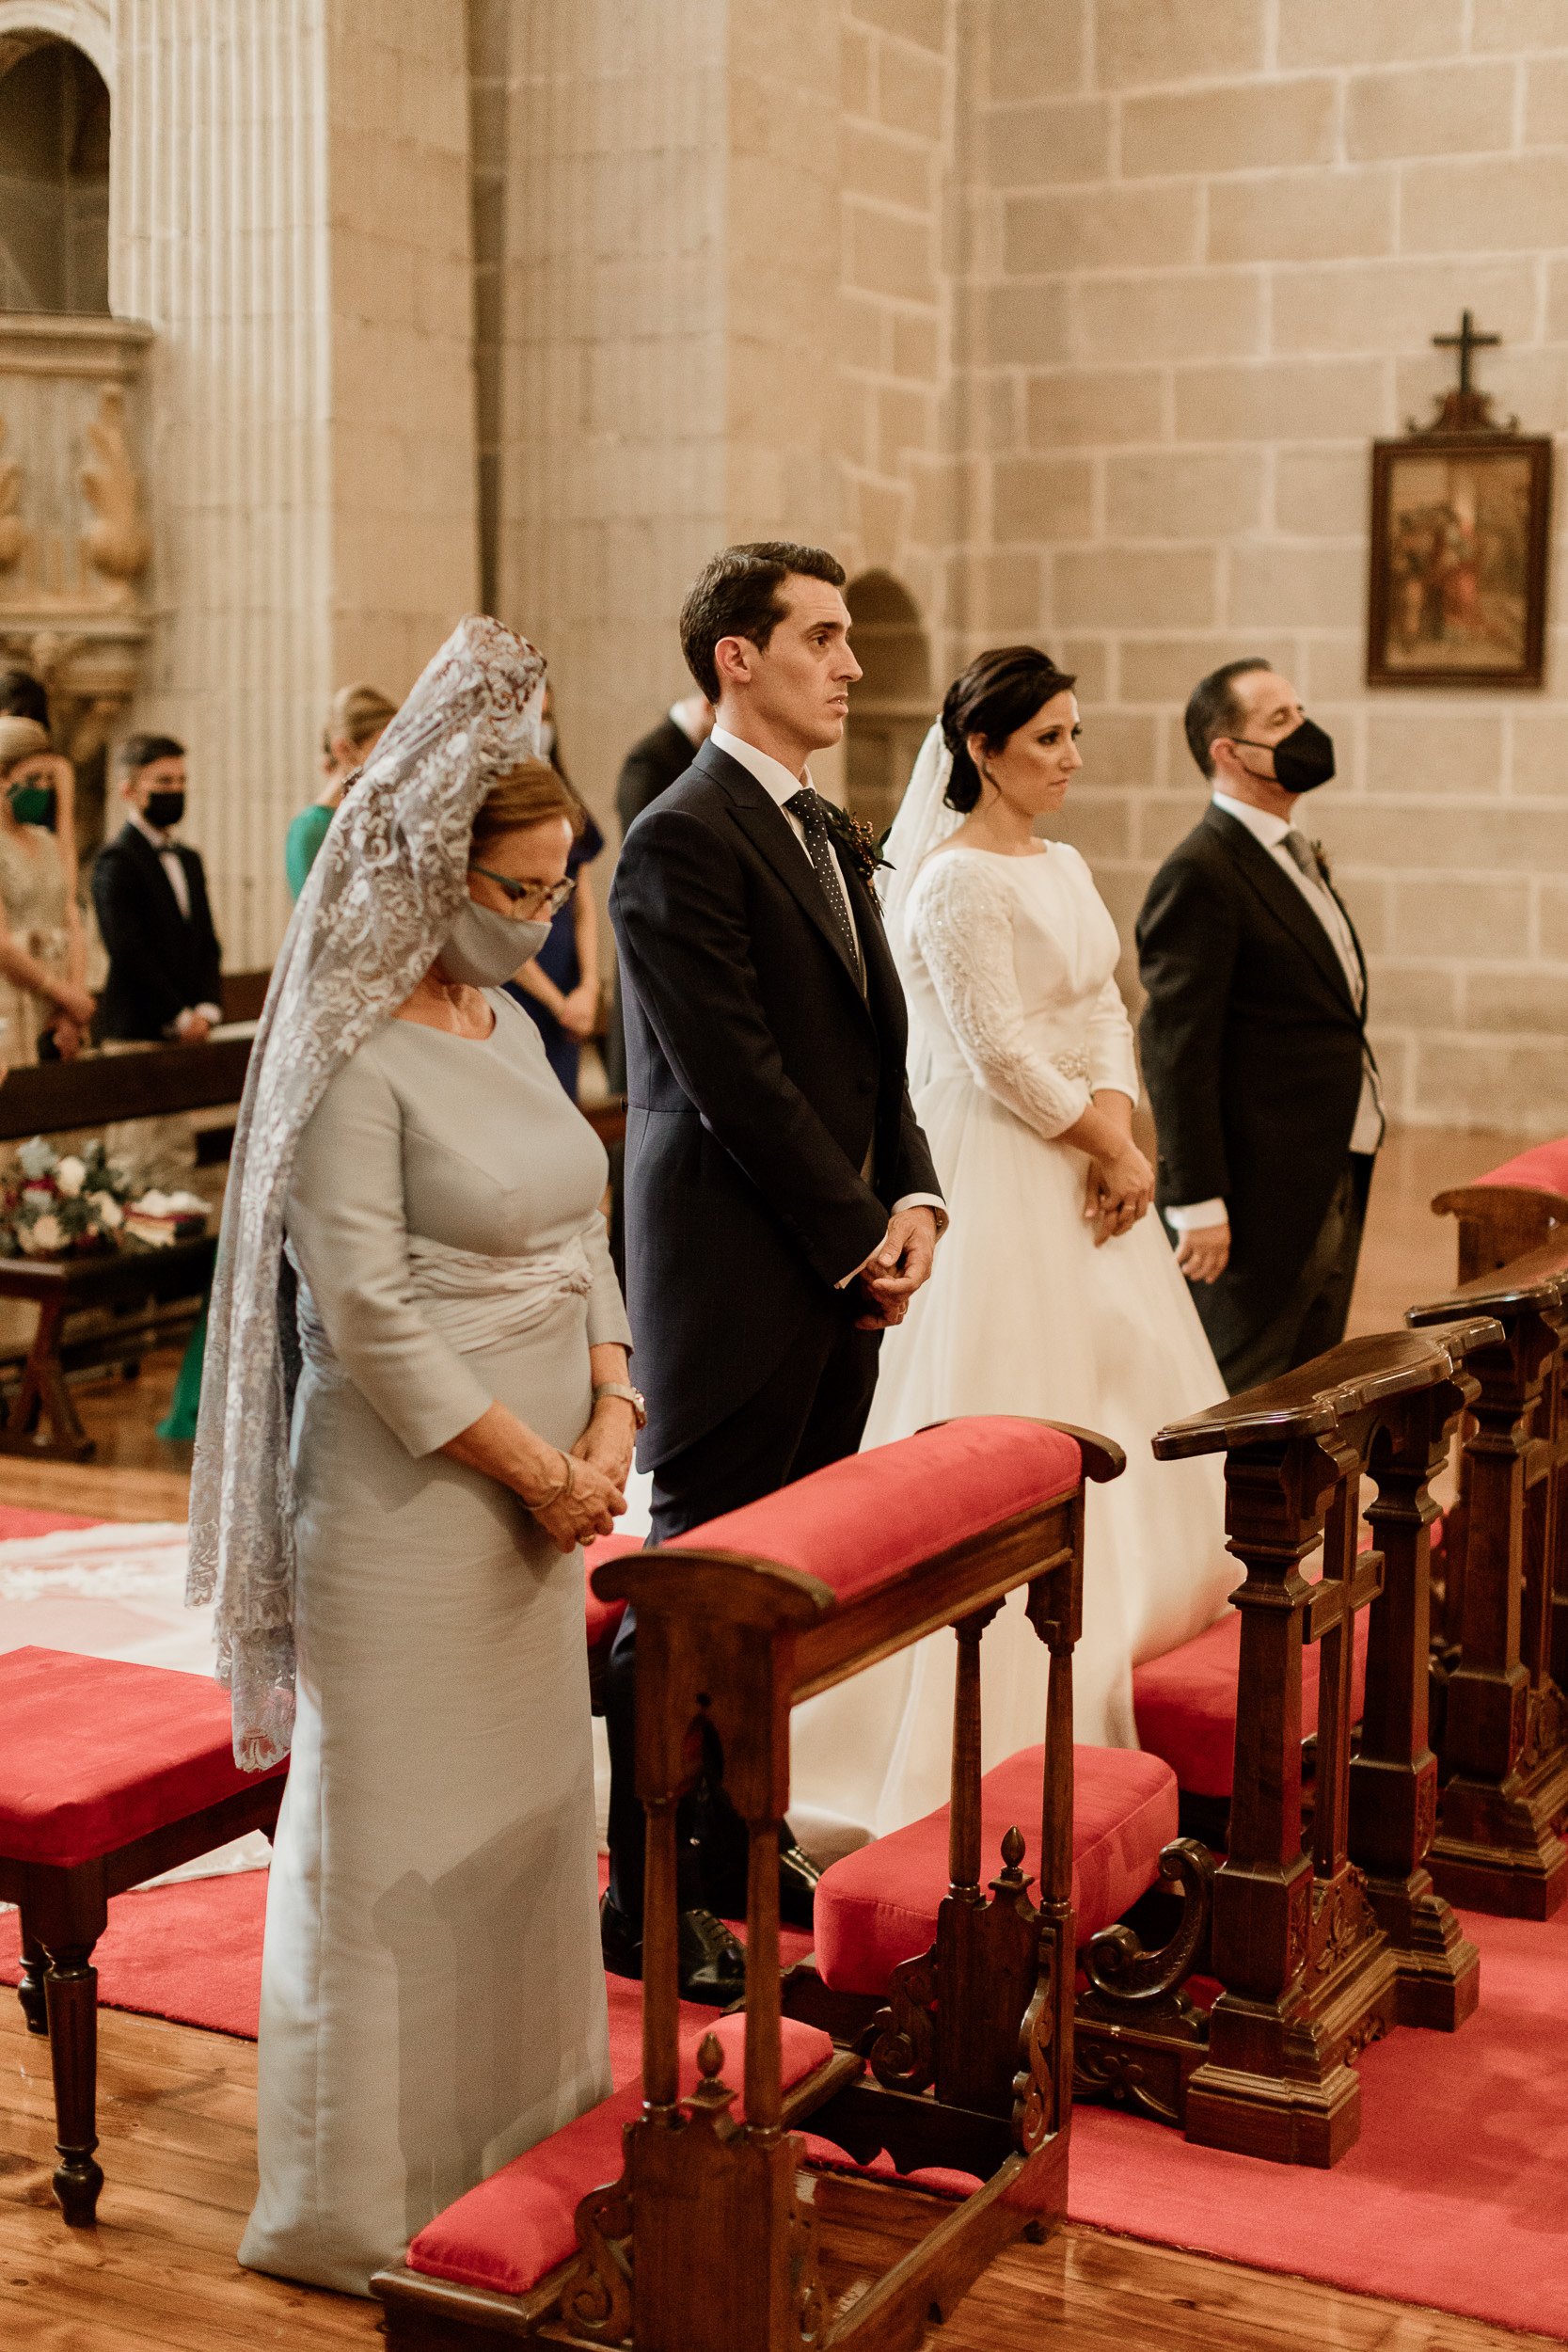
427	1202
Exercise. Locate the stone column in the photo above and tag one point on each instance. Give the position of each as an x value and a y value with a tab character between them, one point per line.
290	213
671	328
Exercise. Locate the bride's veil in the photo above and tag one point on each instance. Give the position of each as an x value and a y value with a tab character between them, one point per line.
923	819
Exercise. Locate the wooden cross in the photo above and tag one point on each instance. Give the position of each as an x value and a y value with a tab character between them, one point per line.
1467	343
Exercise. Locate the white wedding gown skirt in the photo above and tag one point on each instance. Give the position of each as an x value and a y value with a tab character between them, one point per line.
1023	1314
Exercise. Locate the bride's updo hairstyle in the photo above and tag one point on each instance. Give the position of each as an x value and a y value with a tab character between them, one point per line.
998	693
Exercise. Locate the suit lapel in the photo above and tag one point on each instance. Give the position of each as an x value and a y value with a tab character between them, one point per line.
766	827
1285	901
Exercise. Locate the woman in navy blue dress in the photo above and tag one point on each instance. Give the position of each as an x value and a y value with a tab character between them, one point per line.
559	989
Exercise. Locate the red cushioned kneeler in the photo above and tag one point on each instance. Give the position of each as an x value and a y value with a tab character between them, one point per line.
863	1520
109	1774
878	1907
1543	1168
521	2224
95	1754
1184	1703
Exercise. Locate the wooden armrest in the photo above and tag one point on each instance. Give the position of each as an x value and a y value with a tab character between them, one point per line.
1358	1374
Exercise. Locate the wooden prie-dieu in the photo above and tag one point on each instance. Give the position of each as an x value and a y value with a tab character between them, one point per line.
1326	1929
703	2239
1501	1648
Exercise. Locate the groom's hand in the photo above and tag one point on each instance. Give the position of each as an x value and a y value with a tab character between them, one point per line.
895	1270
1204	1253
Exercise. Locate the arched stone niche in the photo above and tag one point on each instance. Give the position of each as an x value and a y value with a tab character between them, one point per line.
892	708
74	536
53	177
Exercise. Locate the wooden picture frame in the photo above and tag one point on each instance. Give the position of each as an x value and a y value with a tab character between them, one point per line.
1460	532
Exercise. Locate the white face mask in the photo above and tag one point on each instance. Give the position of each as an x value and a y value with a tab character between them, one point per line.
484	948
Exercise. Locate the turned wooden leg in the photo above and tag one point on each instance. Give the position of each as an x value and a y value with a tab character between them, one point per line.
71	1987
29	1991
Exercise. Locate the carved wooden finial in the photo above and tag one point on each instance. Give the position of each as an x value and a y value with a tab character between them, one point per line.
710	2057
1013	1848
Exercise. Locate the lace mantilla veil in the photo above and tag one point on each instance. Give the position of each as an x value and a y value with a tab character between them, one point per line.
923	819
383	894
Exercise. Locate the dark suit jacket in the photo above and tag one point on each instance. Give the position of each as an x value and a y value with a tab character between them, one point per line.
159	963
1252	1054
651	767
760	1076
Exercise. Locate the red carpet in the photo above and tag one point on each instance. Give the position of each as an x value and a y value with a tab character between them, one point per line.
1457	2195
14	1522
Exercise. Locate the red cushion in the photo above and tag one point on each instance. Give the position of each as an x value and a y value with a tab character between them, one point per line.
94	1754
879	1905
1543	1168
514	2228
863	1520
1185	1703
604	1616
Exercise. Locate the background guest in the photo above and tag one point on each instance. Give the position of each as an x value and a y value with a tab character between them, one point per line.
42	949
355	725
23	696
165	981
653	763
1265	1093
559	987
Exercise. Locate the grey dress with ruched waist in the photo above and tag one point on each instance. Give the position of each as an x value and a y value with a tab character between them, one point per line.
432	1998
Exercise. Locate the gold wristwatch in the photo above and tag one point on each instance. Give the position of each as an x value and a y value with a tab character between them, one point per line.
634	1397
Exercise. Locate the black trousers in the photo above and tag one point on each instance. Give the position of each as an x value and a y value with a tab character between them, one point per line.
811	1412
1313	1317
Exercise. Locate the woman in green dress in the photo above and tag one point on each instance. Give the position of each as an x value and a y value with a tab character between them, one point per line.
354	725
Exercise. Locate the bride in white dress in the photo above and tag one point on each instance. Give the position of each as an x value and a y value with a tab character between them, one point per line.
1054	1292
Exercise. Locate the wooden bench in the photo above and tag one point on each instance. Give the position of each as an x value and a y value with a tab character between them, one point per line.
110	1773
705	2242
1500	1652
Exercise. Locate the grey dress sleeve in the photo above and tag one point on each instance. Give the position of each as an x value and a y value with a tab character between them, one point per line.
607	1311
347	1226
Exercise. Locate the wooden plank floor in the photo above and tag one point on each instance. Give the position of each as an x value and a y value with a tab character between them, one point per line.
177	2116
176	2108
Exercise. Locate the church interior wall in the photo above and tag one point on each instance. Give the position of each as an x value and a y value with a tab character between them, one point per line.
1074	320
1208	250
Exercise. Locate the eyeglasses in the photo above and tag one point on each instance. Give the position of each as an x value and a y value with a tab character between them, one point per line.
540	898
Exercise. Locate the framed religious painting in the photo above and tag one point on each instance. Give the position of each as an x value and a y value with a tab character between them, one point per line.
1461	524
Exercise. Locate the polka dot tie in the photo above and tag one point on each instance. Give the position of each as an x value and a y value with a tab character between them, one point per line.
806	807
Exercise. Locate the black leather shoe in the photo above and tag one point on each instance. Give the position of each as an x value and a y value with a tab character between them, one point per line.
798	1881
724	1884
712	1961
620	1940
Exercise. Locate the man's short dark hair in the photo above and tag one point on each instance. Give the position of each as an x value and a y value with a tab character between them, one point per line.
140	751
737	594
21	696
1214	707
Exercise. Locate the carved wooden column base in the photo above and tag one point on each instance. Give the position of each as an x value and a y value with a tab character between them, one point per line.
1436	1967
1498	1848
1289	2122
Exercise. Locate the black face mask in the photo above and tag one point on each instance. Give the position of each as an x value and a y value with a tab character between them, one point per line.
164	809
1302	759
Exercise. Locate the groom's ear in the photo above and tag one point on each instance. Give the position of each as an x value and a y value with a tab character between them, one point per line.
734	659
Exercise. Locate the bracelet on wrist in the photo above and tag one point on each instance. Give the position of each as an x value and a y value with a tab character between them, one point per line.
563	1486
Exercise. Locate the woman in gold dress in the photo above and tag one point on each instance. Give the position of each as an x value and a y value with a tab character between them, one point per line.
42	949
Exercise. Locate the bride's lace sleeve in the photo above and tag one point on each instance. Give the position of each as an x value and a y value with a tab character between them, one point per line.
1113	1061
961	917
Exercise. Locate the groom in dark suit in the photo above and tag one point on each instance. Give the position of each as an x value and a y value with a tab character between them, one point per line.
1265	1092
782	1207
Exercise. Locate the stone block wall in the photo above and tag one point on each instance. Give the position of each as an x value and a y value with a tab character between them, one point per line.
1206	244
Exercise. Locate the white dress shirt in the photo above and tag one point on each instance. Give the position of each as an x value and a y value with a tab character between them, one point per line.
169	859
781	786
1366	1134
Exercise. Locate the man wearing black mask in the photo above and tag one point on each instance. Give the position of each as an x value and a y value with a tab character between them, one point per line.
150	893
1264	1088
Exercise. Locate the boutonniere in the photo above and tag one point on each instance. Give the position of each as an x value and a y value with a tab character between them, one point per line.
855	841
1321	855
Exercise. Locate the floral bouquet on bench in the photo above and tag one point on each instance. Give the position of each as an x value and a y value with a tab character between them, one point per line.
61	1206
